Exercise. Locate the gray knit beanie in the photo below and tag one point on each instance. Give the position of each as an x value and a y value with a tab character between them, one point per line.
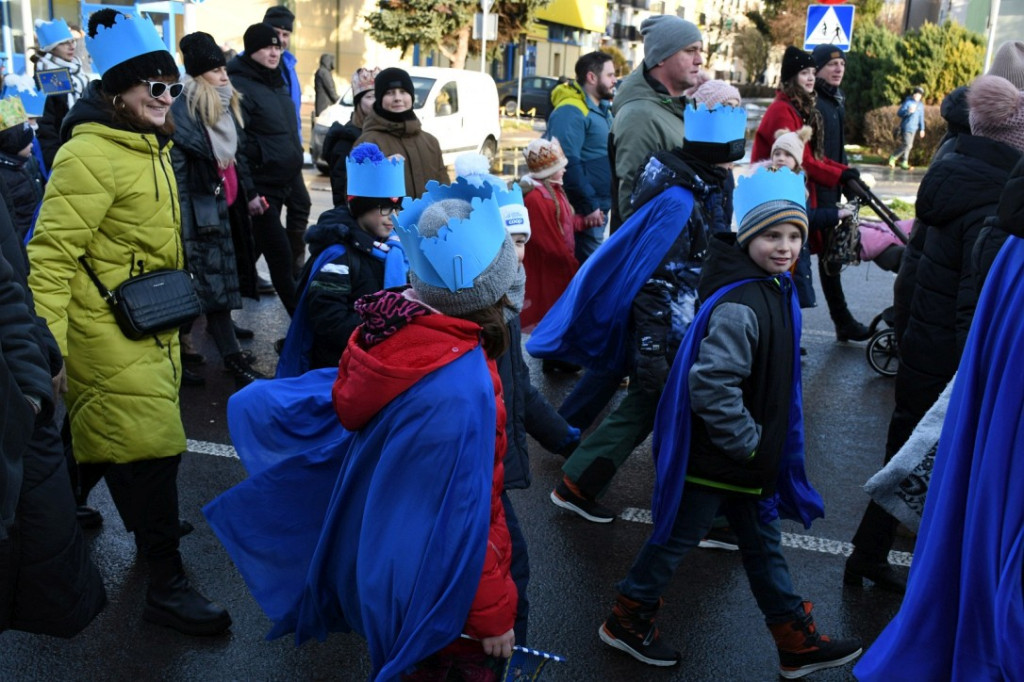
664	35
488	287
1008	63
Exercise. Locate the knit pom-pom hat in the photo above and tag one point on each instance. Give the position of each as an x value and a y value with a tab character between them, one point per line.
997	110
792	143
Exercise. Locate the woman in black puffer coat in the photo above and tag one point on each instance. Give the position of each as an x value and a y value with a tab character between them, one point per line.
211	177
958	193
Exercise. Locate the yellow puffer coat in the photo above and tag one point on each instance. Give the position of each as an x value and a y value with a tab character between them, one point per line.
112	198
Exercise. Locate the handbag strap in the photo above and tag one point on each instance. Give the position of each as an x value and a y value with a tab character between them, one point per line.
108	295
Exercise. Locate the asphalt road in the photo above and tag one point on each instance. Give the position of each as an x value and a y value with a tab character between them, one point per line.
709	613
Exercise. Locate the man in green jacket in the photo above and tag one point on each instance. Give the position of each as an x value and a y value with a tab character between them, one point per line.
648	108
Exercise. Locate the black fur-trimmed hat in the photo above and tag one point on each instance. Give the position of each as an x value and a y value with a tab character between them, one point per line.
201	53
794	60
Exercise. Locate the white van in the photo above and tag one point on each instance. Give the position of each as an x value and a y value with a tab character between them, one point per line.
459	108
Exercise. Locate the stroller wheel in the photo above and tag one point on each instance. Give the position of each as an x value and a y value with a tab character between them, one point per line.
882	353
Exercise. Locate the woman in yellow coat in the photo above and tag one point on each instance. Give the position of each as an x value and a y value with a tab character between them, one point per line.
112	200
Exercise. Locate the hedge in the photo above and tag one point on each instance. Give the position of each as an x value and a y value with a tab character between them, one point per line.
881	136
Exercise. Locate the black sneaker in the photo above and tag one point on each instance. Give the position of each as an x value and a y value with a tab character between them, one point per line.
633	631
720	538
591	510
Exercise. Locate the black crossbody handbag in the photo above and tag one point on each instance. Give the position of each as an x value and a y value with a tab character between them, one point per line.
150	303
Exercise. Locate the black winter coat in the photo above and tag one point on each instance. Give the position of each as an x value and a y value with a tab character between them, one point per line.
48	584
1009	220
49	124
956	196
24	189
832	104
272	147
337	145
206	222
331	294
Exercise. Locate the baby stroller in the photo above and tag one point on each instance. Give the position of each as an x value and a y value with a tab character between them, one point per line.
855	240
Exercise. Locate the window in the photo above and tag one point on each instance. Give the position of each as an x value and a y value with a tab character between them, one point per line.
447	102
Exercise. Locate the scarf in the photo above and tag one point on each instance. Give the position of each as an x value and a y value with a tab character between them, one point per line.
223	134
79	81
516	294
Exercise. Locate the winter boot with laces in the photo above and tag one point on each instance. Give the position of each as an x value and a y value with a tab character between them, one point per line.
631	628
802	650
241	365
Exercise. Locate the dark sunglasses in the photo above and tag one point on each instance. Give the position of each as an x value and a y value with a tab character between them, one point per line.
158	88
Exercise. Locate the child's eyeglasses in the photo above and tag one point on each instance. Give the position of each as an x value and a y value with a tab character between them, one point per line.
385	211
158	88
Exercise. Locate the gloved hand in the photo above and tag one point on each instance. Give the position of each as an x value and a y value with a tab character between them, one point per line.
849	174
651	372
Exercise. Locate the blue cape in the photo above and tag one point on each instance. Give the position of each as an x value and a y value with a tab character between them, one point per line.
963	614
298	343
794	497
382	531
589	324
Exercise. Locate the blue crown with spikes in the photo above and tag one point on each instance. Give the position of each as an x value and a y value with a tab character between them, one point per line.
475	169
127	38
52	33
462	249
767	184
721	125
371	174
34	101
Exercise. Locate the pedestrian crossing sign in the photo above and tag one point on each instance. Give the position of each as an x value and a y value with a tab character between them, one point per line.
829	25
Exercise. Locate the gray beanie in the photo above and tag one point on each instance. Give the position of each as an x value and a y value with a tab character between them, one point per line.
664	35
488	287
1008	63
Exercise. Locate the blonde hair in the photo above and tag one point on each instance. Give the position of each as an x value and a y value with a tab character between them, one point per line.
204	105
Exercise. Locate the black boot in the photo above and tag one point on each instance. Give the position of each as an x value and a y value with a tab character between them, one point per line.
851	330
631	628
241	365
847	328
884	575
802	649
172	602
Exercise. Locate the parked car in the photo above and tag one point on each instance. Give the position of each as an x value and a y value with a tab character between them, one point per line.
459	108
536	99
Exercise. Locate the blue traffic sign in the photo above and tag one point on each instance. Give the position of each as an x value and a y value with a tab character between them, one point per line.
829	25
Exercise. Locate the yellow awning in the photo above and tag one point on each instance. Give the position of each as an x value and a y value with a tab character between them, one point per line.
589	15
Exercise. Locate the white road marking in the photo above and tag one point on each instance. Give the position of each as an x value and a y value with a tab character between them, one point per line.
632	514
808	542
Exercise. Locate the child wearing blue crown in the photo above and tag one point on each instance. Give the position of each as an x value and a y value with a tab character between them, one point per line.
352	254
650	267
724	440
397	529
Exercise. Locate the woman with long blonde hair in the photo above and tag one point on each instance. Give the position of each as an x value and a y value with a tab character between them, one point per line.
214	213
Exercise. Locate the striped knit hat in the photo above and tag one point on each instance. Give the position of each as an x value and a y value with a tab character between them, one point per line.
770	214
768	198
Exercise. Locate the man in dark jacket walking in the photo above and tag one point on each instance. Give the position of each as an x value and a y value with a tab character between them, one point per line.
830	62
297	201
323	85
272	149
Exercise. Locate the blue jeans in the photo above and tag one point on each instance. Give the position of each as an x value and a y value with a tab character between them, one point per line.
760	547
587	241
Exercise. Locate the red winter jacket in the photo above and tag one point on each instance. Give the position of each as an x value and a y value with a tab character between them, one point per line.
550	254
782	114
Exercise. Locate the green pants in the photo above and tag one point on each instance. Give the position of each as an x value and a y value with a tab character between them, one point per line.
594	463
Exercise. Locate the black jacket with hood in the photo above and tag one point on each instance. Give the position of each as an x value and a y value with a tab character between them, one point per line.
323	85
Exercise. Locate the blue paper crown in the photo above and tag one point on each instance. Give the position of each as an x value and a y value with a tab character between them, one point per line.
765	185
510	200
127	38
34	102
463	248
722	124
51	33
371	174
